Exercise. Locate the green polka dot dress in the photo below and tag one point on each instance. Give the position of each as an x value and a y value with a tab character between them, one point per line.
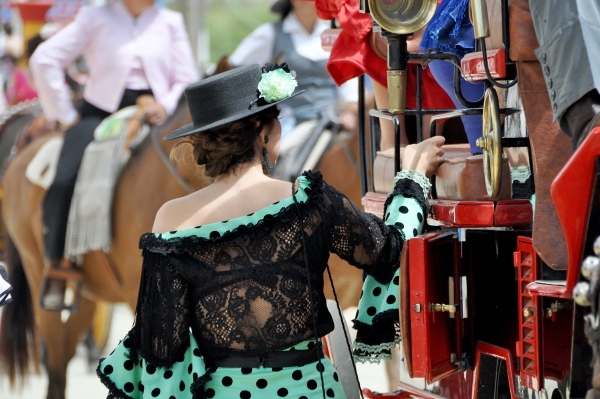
189	378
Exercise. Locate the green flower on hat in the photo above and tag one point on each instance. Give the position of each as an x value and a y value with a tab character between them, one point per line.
277	83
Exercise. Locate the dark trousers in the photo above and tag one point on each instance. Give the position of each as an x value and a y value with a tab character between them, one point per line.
58	197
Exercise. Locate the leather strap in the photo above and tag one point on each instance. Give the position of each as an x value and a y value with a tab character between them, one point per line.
295	358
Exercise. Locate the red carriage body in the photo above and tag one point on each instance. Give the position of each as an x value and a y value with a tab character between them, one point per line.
516	331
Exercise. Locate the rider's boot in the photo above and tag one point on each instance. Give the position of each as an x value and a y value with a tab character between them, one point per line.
581	117
61	287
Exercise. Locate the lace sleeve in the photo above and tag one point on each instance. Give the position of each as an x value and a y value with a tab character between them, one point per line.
363	240
161	329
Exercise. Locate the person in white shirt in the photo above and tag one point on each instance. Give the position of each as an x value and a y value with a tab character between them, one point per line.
296	40
131	48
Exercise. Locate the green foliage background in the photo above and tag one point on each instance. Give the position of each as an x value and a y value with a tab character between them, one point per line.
229	21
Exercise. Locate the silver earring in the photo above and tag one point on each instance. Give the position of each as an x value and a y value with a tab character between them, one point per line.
266	162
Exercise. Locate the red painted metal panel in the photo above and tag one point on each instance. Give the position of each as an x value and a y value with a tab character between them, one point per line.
552	290
433	259
513	213
483	348
463	213
474	71
573	210
508	213
557	335
529	345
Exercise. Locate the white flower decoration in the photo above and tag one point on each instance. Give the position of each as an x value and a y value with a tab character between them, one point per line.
276	85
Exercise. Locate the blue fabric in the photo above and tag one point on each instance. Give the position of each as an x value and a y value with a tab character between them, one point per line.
450	29
443	72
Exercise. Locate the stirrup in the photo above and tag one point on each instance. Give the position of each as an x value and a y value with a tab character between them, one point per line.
65	297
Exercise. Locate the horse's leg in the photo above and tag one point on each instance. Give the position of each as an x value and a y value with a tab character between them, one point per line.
61	340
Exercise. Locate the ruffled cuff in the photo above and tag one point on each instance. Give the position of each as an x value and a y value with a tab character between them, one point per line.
377	321
417	177
410	184
128	378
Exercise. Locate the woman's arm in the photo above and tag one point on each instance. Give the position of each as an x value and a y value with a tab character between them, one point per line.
374	245
162	318
48	63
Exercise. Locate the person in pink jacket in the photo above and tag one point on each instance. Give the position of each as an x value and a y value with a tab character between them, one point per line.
132	47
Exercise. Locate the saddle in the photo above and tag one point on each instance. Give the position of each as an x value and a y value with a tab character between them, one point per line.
89	221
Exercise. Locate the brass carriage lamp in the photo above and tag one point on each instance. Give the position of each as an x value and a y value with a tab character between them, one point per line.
398	20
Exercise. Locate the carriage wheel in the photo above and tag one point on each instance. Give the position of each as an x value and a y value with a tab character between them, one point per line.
491	143
101	324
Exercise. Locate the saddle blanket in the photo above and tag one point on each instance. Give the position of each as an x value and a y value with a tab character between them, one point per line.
89	220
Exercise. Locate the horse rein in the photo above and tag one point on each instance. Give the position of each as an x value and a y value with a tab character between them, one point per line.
165	157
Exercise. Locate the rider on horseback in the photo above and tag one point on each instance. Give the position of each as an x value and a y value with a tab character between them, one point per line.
296	39
132	48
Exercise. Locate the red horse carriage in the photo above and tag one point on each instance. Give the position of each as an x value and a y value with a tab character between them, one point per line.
490	300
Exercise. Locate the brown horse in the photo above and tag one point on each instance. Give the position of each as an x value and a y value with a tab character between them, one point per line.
146	183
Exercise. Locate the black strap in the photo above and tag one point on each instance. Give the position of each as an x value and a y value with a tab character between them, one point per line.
295	358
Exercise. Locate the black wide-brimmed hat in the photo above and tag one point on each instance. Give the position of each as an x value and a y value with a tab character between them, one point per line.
226	98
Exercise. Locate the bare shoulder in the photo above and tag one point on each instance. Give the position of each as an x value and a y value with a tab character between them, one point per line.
172	215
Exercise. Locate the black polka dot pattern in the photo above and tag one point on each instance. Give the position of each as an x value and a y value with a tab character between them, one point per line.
403	209
262	383
292	382
227	381
129	387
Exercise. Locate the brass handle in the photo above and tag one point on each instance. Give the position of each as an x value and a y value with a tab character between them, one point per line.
479	18
440	307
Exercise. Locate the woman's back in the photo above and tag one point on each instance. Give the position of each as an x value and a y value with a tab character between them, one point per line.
221	202
242	284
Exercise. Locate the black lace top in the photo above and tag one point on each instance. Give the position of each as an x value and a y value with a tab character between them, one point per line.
245	291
